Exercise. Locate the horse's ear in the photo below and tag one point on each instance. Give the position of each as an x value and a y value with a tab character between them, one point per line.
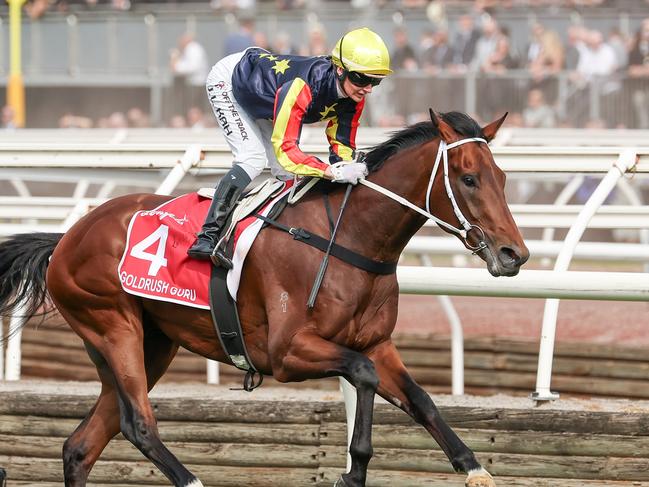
433	117
491	130
445	130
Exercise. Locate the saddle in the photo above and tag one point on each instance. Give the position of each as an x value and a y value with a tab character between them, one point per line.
257	198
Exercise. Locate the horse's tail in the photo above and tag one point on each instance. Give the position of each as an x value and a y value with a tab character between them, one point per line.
23	264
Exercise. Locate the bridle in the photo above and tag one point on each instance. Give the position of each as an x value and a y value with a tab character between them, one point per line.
442	156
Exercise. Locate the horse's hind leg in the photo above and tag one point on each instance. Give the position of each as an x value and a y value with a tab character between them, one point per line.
312	357
83	447
118	336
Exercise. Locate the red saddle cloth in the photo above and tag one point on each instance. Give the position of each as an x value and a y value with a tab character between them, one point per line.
155	263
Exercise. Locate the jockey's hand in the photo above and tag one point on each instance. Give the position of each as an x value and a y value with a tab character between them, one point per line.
348	172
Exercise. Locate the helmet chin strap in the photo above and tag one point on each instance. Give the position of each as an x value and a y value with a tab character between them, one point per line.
341	77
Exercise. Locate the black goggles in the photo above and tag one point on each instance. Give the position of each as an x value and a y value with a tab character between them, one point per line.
361	80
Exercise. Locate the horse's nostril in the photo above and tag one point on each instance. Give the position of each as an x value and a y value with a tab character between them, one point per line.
508	257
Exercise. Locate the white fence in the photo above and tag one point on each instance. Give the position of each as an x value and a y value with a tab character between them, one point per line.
122	161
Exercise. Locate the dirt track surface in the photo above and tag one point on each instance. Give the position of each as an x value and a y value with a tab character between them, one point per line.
606	322
210	392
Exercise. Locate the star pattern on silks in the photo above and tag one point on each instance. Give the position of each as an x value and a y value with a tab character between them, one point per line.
269	56
281	66
328	112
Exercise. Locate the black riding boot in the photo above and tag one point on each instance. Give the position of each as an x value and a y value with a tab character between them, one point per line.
225	198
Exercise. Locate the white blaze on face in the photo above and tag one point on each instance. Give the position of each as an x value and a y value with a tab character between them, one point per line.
195	483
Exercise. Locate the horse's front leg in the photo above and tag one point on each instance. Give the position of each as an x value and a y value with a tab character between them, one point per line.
311	357
397	387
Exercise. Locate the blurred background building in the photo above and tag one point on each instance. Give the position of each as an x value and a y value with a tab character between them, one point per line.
134	63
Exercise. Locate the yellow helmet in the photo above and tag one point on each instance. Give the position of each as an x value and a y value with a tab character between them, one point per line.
363	51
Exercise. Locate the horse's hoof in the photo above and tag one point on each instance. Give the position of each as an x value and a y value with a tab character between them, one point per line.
340	482
479	478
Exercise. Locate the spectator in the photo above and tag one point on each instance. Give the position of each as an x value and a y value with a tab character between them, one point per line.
403	56
464	44
436	53
494	57
597	59
546	57
260	40
317	42
189	61
638	72
196	119
136	118
288	4
619	44
121	4
177	122
413	3
503	57
233	5
240	40
71	121
576	35
596	64
426	46
487	45
545	54
117	120
8	118
35	9
538	114
283	45
189	66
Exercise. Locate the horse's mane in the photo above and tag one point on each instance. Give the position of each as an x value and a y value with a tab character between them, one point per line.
418	134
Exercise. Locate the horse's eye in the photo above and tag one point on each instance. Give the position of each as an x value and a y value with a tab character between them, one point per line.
469	181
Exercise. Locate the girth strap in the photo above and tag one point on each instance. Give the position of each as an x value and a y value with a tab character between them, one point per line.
342	253
228	328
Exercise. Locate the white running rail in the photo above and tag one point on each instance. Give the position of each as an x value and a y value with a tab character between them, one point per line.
95	158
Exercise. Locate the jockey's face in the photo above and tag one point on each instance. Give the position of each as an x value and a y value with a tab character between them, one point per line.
356	93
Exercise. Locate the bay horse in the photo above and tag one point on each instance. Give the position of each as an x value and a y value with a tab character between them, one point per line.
132	340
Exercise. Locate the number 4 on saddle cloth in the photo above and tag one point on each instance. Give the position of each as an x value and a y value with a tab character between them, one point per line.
155	263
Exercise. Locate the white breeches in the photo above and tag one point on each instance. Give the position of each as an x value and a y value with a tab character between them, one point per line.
249	139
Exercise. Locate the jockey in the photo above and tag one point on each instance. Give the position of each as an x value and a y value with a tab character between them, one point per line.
261	102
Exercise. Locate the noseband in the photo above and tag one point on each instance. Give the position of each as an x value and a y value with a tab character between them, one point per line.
442	155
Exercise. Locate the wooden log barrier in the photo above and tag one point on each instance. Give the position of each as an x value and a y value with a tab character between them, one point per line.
492	365
281	436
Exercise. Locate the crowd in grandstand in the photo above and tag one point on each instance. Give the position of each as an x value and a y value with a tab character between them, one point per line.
615	62
37	8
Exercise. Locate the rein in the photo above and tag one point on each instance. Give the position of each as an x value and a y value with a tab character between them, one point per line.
442	155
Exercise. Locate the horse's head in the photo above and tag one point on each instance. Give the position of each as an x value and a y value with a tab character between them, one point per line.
468	191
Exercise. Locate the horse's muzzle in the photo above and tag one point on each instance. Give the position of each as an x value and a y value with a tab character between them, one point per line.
509	260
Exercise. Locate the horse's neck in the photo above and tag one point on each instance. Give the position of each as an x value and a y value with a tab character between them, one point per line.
387	226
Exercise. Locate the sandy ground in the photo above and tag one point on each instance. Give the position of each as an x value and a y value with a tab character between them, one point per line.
211	393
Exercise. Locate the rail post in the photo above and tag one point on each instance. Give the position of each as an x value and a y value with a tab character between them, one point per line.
627	160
